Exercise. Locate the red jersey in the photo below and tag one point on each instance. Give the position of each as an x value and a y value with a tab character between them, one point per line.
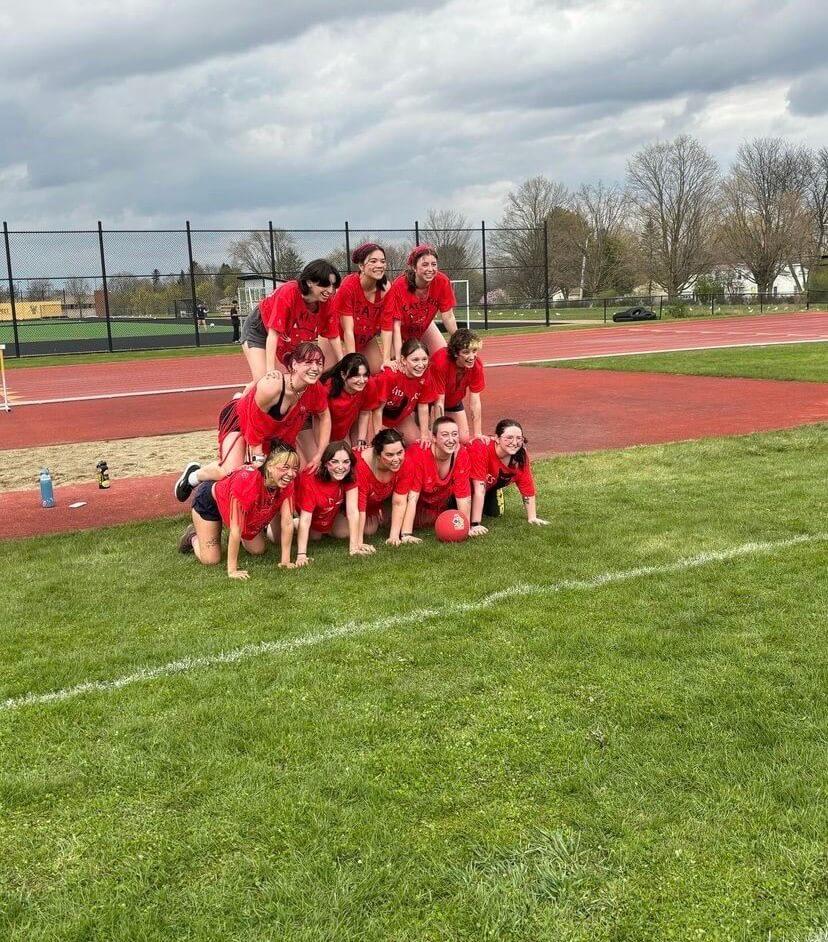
372	492
258	504
487	467
370	317
419	473
321	498
285	311
345	409
454	381
415	313
260	427
399	394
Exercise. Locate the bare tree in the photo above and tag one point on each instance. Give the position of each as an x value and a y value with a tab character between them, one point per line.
252	254
765	221
673	188
39	289
77	293
517	259
815	194
604	210
457	244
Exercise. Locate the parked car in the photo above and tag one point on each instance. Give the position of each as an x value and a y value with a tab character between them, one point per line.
635	314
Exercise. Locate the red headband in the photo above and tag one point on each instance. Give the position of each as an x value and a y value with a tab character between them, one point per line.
361	252
419	251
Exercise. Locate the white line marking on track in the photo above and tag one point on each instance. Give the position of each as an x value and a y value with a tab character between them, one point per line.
521	362
641	353
356	628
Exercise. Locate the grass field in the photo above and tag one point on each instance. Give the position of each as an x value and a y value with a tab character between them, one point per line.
797	361
598	753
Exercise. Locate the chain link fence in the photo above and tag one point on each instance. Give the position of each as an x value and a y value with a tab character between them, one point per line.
110	290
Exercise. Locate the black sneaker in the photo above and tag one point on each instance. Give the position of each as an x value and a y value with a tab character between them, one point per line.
183	488
185	544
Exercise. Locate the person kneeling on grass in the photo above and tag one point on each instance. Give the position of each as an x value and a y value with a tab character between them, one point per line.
431	479
246	501
495	463
322	495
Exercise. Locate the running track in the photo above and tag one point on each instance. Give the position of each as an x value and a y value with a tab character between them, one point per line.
38	385
563	410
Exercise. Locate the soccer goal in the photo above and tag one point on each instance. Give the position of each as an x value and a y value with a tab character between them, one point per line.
461	292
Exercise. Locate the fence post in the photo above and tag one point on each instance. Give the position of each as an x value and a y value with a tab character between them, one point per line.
193	283
105	289
605	310
416	232
11	289
272	253
660	305
761	309
546	269
712	303
348	246
485	275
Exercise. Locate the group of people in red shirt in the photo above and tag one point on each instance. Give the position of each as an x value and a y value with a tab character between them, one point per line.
355	417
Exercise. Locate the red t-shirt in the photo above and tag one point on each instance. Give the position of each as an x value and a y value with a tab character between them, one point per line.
258	504
372	492
370	317
419	473
453	380
285	311
399	394
487	467
415	313
258	426
345	409
321	498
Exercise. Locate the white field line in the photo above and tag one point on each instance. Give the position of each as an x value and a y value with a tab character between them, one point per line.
521	362
641	353
357	628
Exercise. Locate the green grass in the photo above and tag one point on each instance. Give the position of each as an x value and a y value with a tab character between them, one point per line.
640	761
799	361
36	331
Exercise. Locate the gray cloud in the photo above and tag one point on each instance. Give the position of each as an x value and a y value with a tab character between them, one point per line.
309	115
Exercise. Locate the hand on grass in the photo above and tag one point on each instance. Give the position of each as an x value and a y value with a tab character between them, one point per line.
303	560
479	530
538	521
364	549
238	574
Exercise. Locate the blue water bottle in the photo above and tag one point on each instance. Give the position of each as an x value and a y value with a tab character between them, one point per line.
47	492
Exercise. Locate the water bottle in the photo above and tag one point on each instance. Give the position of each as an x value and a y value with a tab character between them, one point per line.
103	474
47	492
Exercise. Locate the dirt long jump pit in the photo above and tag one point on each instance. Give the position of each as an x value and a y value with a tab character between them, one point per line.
562	411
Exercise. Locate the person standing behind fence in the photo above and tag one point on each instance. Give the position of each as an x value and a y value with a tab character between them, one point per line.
235	322
419	294
295	312
359	304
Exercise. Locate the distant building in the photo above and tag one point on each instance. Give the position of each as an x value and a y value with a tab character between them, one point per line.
252	288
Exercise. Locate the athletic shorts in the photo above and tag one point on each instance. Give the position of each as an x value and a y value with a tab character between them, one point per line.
458	408
254	332
204	504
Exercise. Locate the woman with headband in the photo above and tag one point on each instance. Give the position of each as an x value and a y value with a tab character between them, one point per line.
359	307
419	294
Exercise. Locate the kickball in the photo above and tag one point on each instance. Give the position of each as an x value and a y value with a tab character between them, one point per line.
451	526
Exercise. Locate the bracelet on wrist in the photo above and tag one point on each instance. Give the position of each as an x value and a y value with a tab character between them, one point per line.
406	534
301	554
476	523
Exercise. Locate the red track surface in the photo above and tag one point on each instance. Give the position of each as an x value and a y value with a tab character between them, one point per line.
562	410
106	379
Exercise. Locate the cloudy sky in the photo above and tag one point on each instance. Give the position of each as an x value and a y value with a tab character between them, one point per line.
144	113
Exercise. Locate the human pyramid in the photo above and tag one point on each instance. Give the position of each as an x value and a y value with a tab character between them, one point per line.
354	420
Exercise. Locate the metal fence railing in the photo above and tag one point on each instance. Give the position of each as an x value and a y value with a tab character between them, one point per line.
118	290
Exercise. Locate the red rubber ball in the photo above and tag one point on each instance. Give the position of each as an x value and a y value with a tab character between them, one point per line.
451	526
